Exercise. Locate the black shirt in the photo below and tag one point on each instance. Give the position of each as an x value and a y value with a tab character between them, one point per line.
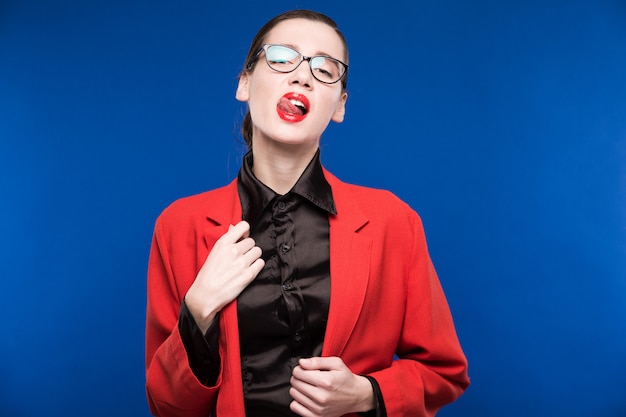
283	312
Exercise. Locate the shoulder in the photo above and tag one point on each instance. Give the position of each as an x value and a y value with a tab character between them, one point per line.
380	214
199	206
365	195
376	203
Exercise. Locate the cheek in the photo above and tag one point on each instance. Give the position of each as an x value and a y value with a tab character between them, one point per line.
260	96
331	104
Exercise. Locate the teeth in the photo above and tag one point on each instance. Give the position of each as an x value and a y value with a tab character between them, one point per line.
299	105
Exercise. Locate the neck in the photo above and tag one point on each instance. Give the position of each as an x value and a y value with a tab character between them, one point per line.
280	166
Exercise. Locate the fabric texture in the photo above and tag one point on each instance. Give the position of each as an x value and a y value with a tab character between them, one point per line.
385	300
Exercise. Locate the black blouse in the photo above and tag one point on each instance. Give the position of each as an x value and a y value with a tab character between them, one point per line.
283	312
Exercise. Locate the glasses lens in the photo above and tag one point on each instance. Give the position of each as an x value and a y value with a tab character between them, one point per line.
326	69
285	59
281	58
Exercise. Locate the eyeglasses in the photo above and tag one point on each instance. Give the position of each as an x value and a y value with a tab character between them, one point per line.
284	59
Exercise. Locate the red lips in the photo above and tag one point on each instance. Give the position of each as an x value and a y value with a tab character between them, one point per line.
293	107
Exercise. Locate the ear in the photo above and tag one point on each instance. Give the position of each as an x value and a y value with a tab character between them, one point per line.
242	93
340	111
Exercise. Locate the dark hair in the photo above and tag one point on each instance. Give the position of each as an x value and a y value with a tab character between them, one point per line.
259	40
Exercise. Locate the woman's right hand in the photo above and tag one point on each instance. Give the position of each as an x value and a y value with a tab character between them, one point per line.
231	266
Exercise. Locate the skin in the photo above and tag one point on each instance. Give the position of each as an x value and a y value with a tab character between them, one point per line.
320	386
282	149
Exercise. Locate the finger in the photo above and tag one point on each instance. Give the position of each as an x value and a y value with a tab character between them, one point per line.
237	232
244	246
302	391
321	363
253	266
257	266
299	409
313	399
246	227
250	259
308	396
305	380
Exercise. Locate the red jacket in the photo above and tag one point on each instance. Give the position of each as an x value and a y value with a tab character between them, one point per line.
385	300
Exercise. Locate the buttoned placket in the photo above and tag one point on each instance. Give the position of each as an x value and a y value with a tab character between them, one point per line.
285	238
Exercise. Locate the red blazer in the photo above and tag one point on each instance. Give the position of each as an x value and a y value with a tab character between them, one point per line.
385	300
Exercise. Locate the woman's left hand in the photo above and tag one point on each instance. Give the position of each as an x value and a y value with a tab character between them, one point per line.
326	387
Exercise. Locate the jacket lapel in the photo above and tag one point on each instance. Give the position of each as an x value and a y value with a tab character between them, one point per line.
228	207
350	250
219	217
349	268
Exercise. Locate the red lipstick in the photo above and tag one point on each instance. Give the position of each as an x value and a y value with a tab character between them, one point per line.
293	107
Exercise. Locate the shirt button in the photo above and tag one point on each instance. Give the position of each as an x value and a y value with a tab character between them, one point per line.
285	247
287	286
281	205
297	336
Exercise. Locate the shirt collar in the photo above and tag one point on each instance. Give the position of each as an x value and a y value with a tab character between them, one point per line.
312	185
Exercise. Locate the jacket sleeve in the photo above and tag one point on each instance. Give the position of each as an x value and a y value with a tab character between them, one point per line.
430	369
171	386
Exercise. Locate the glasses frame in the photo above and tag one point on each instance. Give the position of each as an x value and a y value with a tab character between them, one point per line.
265	47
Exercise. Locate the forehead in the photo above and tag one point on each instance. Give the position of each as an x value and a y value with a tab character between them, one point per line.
308	36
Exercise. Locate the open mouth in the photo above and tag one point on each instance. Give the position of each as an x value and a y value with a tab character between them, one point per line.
293	107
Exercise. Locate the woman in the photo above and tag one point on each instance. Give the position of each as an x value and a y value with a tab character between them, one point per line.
288	292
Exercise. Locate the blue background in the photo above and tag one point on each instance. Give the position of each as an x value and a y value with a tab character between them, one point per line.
502	123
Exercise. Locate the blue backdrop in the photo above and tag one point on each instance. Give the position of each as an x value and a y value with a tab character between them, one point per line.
502	123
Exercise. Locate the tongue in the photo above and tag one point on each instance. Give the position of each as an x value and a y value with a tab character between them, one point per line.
288	107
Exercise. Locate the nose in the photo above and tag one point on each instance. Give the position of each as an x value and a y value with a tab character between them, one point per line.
302	75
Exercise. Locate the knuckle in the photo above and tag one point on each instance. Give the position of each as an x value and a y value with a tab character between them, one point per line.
324	399
327	385
239	264
248	275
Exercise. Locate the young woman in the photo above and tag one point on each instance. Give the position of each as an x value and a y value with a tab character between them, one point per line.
289	292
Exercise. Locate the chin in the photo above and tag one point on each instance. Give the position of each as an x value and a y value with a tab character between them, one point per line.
297	142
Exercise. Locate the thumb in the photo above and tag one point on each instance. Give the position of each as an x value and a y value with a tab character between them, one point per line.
320	363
